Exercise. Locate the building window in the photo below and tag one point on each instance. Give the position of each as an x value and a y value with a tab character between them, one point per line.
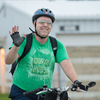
62	28
69	28
77	27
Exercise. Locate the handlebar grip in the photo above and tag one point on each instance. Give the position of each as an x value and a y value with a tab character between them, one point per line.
33	91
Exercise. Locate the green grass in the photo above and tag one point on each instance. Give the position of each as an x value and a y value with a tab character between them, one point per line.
4	97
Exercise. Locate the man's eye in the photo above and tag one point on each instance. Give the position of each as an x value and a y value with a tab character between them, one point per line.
49	23
42	21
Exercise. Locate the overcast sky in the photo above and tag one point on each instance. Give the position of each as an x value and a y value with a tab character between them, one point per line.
60	8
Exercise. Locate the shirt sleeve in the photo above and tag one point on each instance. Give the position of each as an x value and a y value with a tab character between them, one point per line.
61	52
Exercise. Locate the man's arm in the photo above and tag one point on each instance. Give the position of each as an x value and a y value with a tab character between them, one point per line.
69	70
12	55
71	74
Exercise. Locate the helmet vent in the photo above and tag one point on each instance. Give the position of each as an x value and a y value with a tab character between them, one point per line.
41	9
50	11
46	10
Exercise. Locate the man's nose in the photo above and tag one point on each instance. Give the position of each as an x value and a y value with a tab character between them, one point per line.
45	24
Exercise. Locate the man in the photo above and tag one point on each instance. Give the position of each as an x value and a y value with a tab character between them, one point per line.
36	68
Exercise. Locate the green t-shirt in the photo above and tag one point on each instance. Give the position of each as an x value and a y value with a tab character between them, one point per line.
36	68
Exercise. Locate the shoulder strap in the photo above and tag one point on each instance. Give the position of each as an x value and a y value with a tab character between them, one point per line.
54	45
27	47
26	50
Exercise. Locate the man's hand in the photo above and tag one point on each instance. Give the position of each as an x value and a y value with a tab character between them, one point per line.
79	84
17	39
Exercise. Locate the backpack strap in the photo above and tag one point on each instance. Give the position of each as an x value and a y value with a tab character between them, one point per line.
26	50
54	45
27	47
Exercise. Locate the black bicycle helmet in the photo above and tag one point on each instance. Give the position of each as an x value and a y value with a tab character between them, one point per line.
43	12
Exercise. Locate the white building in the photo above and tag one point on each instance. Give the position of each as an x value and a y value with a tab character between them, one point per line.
77	26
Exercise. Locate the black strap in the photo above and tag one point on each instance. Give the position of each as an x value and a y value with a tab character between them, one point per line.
26	50
27	47
54	45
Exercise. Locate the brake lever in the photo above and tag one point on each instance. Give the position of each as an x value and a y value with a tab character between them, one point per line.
80	90
48	90
41	92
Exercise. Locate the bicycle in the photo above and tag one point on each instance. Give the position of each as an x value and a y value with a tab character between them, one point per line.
58	93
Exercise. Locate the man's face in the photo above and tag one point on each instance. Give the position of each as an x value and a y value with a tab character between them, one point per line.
43	26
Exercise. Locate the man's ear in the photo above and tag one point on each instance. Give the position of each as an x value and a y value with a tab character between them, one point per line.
34	24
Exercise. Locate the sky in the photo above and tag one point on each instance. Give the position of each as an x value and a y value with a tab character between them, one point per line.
59	8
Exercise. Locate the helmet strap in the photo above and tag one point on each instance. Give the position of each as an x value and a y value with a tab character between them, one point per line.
40	36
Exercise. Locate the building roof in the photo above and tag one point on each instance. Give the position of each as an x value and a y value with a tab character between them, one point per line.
59	8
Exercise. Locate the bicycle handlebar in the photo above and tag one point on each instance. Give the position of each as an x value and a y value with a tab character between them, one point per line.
42	90
72	88
33	91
